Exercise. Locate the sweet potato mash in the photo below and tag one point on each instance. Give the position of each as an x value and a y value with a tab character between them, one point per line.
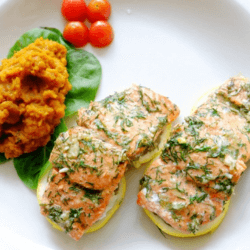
33	85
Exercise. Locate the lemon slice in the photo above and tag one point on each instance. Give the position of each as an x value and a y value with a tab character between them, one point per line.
114	203
154	153
208	228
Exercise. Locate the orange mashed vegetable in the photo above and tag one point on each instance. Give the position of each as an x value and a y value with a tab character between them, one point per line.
33	85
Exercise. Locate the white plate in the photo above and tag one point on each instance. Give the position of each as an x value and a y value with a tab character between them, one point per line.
179	48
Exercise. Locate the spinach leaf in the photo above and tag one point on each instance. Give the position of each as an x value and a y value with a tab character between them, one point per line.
46	167
2	158
84	75
28	166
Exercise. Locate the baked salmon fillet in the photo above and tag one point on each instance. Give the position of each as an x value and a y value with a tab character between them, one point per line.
135	120
89	161
189	184
86	172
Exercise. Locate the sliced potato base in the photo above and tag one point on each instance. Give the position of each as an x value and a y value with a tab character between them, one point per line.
154	153
201	99
208	228
116	202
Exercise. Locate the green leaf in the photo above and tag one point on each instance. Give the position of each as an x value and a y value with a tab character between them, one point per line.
84	75
2	158
44	169
28	166
163	233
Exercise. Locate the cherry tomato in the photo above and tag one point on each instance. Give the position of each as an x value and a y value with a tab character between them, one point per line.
101	34
74	10
76	33
98	10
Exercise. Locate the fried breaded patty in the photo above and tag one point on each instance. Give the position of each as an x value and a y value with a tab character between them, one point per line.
33	85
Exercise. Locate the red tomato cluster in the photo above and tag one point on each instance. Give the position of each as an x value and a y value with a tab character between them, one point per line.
100	34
